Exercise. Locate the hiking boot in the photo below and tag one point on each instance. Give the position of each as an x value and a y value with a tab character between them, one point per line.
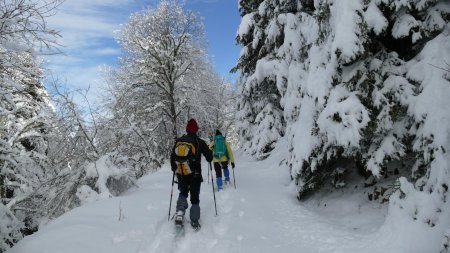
179	218
196	225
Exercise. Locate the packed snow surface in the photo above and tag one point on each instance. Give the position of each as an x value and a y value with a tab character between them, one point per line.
261	215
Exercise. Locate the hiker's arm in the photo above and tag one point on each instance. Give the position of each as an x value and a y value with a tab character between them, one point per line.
172	160
206	151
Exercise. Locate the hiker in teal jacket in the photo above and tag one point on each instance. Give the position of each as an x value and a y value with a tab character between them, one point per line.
222	156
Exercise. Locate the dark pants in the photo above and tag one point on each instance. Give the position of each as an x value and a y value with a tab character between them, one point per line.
189	184
218	166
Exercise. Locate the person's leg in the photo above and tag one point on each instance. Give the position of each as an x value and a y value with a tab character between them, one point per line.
226	172
183	186
195	199
218	169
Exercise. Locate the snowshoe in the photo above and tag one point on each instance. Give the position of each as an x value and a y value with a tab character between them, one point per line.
179	224
179	218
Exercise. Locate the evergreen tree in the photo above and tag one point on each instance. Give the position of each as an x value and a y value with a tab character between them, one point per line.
259	113
358	83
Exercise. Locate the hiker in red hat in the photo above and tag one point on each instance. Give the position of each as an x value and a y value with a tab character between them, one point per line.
185	161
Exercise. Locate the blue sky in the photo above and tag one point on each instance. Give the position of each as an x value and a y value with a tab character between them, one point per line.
87	28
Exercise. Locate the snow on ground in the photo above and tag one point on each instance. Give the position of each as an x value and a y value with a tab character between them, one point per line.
262	215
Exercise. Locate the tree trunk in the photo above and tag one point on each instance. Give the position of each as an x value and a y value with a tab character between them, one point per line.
173	111
2	187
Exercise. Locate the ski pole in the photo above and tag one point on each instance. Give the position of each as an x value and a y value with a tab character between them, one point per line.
234	179
171	195
208	177
214	190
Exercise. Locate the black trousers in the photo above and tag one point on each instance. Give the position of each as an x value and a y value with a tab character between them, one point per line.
190	184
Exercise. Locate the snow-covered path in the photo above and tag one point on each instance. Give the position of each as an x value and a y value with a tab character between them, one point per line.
262	215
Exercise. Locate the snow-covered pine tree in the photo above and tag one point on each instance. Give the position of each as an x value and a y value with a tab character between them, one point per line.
260	121
374	61
363	84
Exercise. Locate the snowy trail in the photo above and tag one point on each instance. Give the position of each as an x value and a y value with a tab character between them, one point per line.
262	215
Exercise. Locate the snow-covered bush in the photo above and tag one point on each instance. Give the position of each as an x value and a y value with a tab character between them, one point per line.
446	242
111	178
9	228
75	185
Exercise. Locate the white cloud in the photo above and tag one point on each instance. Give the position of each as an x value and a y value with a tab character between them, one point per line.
87	28
72	22
204	1
82	22
107	51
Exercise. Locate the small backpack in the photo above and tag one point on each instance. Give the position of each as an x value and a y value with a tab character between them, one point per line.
219	149
184	155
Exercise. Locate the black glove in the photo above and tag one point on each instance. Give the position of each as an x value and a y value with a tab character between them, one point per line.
232	165
174	168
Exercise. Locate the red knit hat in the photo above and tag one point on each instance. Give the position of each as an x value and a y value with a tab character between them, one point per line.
192	126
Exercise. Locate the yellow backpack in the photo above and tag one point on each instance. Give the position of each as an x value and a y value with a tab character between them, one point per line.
184	155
